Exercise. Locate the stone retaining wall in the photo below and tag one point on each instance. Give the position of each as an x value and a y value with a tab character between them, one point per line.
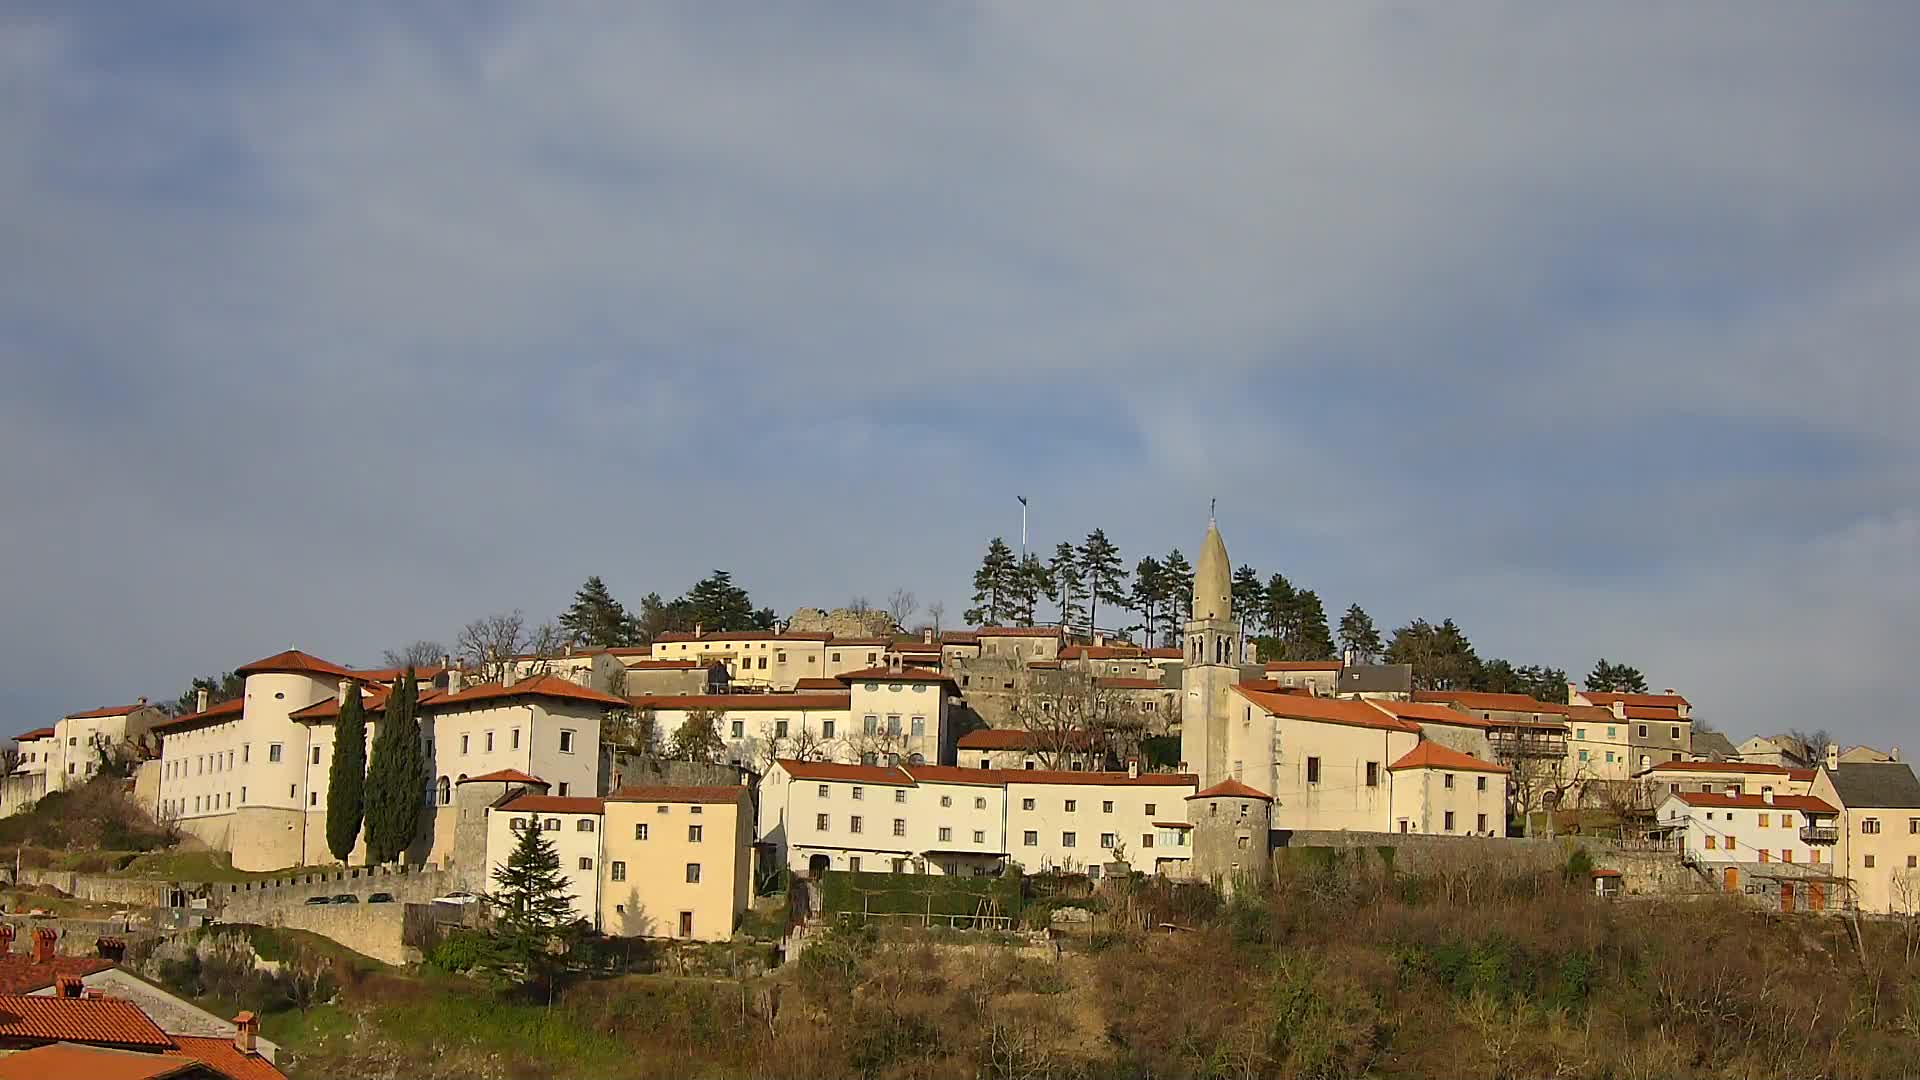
1419	853
254	901
375	930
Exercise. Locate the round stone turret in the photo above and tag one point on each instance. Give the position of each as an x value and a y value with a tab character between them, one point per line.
1232	827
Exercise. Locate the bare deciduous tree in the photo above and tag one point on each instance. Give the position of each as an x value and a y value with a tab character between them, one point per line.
416	654
859	605
489	643
1066	713
901	604
806	744
936	614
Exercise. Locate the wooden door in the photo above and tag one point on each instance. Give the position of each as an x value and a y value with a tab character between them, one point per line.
686	924
1731	878
1786	898
1816	898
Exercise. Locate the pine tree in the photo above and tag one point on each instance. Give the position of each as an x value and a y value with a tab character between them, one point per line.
1149	593
597	619
533	915
1065	583
992	585
1280	604
697	738
1180	582
1357	634
1608	677
397	777
1441	656
1249	600
347	776
716	603
1029	584
1104	575
1311	639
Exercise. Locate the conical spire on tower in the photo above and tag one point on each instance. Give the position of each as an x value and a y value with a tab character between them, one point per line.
1213	578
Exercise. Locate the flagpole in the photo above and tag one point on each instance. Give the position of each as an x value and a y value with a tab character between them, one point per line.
1023	527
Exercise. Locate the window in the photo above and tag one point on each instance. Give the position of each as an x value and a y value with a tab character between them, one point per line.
919	724
489	742
899	826
1026	804
857	824
946	800
246	752
464	740
583	825
893	725
1786	854
1867	861
1612	732
1108	840
1609	757
853	863
826	729
1731	843
739	729
1583	755
566	742
1030	838
980	802
564	785
1712	842
1764	820
823	791
1146	840
1072	805
1580	733
586	862
1675	734
979	836
871	724
1106	806
1870	826
820	822
1913	825
516	739
1913	861
1067	839
1479	783
273	752
1480	823
694	833
1765	855
1446	780
553	824
899	795
316	757
946	834
1373	774
313	798
693	878
1313	770
1643	731
859	793
618	872
780	729
640	831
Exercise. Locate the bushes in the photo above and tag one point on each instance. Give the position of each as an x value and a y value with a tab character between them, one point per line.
459	952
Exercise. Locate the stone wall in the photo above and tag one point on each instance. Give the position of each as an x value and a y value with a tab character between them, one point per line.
258	901
841	622
1418	853
1650	873
102	889
375	930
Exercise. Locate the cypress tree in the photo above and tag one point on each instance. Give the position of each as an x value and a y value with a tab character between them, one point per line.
347	776
396	780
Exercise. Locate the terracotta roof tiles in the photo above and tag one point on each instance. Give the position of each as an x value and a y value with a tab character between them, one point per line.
36	733
1230	789
1490	702
293	662
743	702
221	1055
1423	712
829	770
544	686
104	1020
1806	804
19	974
505	776
225	710
1431	755
554	804
74	1061
109	710
1326	710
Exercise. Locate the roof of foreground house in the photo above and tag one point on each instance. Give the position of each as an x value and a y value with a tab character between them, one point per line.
76	1060
1230	789
1426	712
1658	701
1714	744
21	974
554	804
1803	803
505	776
108	1020
1876	784
544	686
1757	768
294	662
222	1056
1491	702
226	710
1325	710
109	710
36	733
743	702
1431	755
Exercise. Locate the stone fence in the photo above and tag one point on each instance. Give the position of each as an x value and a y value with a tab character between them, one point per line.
104	889
376	930
254	901
1419	853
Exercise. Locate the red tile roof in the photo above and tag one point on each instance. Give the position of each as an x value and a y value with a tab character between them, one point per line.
225	710
1721	767
373	699
72	1061
1422	712
1061	776
505	776
1102	652
222	1056
554	804
663	793
1431	755
544	686
953	774
1304	665
1170	652
829	770
1013	739
1123	683
294	662
670	665
1656	700
109	710
743	702
390	674
1230	789
1017	631
885	674
1325	710
19	974
1592	714
36	733
913	645
104	1020
1802	775
1806	804
819	682
1489	702
745	635
1649	712
960	637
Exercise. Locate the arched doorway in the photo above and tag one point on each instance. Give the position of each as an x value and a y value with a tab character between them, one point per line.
817	866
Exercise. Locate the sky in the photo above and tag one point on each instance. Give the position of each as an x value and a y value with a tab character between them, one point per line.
1591	327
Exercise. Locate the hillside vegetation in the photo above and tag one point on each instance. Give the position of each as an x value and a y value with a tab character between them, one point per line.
1337	972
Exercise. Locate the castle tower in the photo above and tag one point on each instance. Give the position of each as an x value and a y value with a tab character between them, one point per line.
1212	664
1232	824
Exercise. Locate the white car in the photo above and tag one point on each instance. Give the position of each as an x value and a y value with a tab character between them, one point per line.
457	896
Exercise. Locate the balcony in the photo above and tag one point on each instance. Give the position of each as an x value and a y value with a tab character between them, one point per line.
1514	744
1819	834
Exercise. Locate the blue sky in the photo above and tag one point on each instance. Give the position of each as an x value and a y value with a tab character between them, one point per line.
1591	329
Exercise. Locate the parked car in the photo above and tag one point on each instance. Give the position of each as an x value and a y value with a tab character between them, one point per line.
346	898
380	898
457	896
319	899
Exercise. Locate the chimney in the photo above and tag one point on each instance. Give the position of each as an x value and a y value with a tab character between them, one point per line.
1671	692
1099	638
43	942
111	948
698	629
454	675
1766	795
141	700
6	937
68	986
1133	768
446	661
200	700
246	1028
926	636
1833	755
1893	754
340	695
1572	693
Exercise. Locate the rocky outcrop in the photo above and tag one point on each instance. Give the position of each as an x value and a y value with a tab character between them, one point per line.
842	622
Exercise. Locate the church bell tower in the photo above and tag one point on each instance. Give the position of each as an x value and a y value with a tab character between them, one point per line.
1213	649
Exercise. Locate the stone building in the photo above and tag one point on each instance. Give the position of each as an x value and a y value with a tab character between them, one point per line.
1232	831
